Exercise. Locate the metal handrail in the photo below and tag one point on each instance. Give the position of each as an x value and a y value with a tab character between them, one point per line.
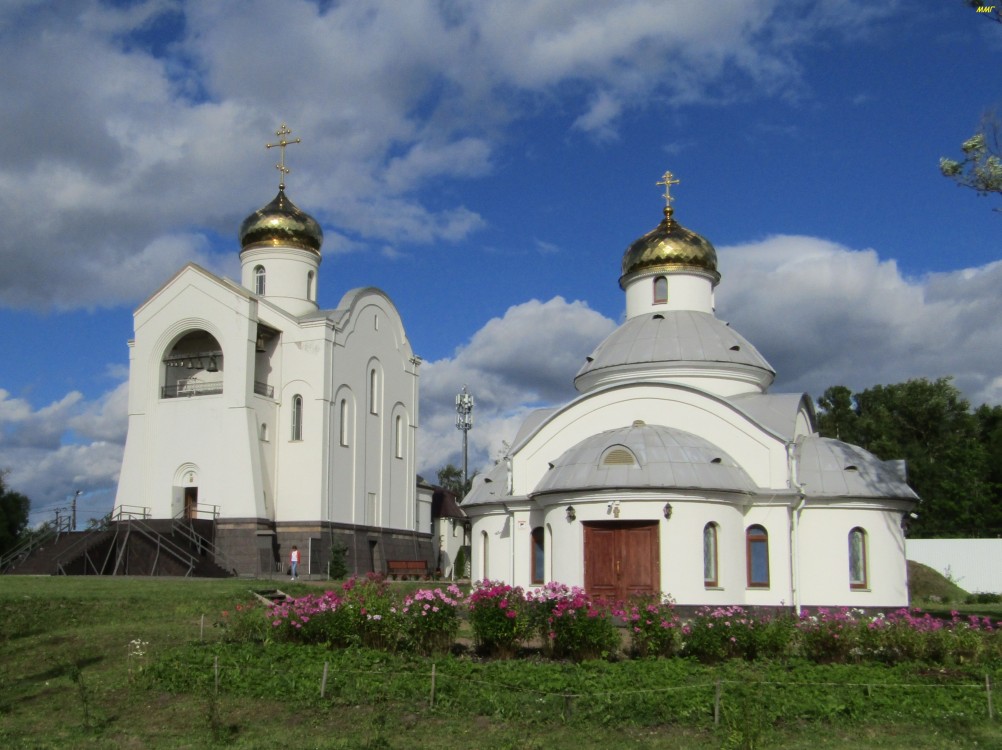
182	524
21	552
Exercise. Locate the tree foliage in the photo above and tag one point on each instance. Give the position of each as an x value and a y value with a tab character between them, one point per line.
451	478
14	509
981	167
951	452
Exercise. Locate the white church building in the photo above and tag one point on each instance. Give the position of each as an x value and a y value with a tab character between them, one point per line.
676	471
284	423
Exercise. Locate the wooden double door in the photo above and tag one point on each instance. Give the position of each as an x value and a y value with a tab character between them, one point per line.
621	558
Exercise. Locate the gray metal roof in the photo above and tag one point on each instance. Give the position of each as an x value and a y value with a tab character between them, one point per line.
674	336
665	457
831	468
775	411
490	487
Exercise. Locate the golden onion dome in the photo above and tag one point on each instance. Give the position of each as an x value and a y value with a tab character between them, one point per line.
281	223
669	247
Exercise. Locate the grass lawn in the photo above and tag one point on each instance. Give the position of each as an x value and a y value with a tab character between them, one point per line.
72	675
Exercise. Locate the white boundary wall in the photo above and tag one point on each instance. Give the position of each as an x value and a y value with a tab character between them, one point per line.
973	564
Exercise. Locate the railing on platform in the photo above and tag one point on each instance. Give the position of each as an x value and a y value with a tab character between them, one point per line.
191	387
127	512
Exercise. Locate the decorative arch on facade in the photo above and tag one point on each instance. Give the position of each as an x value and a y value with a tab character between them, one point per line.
184	500
191	365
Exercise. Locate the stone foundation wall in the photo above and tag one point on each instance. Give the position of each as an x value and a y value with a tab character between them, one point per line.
256	547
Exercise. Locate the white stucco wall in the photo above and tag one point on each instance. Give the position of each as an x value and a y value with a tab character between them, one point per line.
760	454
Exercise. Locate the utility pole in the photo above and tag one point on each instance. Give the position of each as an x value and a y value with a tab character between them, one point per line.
73	526
464	421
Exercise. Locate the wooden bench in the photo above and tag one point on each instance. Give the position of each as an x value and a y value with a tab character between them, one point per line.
401	569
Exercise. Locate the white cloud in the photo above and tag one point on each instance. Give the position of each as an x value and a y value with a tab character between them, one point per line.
526	358
824	314
152	146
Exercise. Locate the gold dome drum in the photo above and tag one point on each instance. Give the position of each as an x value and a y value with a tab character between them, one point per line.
281	223
670	247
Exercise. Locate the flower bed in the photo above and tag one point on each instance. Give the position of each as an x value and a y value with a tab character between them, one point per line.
569	624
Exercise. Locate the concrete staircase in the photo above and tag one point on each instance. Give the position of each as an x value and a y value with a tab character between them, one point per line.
129	547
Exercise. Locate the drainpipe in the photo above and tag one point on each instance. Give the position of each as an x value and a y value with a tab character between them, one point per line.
795	510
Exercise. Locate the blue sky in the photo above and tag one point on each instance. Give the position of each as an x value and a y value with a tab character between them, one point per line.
487	163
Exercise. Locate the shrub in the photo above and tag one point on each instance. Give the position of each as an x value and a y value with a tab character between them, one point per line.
717	633
326	619
337	568
654	626
498	617
246	623
830	636
581	628
431	619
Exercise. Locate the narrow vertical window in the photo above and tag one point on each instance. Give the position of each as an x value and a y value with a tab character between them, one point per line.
710	555
297	417
857	559
758	557
310	277
484	566
373	392
259	279
343	417
398	436
538	555
660	290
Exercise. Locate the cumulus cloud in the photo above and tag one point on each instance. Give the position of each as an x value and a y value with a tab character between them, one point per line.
161	104
68	445
525	359
824	314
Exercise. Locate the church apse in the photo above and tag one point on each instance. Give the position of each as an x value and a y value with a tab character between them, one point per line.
193	367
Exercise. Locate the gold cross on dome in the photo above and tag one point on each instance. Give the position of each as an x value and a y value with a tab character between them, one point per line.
667	179
282	143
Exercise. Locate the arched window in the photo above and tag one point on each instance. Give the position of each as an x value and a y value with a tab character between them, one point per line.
373	391
309	285
398	436
857	559
259	280
538	555
660	290
484	567
757	540
297	417
710	555
343	417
